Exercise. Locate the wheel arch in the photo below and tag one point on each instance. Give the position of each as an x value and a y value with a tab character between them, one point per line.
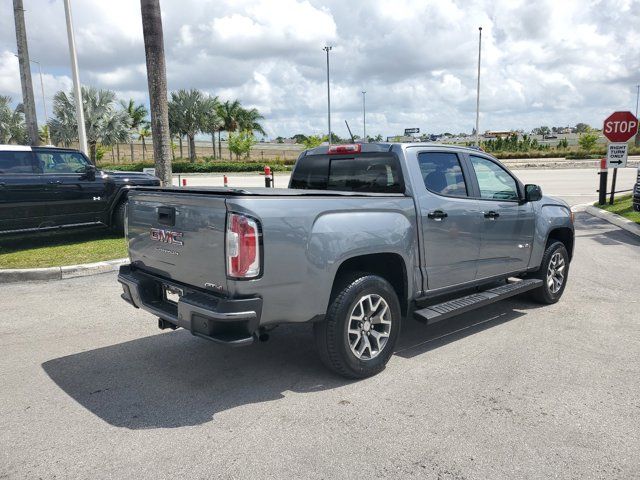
388	265
565	235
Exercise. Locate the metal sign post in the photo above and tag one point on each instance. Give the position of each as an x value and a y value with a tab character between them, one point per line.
619	128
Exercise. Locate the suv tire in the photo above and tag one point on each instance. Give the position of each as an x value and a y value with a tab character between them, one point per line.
358	335
118	217
554	272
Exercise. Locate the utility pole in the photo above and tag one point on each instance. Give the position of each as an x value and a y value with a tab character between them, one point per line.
44	102
28	100
77	91
478	89
364	117
637	141
328	49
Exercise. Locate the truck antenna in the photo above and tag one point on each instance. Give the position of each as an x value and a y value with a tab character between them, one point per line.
353	140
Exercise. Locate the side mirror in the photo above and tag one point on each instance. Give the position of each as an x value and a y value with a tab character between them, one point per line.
90	172
532	193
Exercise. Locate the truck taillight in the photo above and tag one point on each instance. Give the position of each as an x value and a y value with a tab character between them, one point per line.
243	247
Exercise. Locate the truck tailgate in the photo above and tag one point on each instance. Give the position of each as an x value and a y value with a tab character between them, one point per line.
179	237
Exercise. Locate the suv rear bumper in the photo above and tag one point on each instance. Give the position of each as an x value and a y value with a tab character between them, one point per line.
228	321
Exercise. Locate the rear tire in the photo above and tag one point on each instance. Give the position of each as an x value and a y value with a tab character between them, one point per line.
554	273
118	217
358	335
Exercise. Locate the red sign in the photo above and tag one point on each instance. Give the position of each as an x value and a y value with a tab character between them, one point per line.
620	126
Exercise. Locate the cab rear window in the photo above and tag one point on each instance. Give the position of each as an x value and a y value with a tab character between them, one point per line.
370	173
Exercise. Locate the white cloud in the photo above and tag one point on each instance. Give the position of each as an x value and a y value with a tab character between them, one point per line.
544	61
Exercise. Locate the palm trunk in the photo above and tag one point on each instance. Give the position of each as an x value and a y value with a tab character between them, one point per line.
131	147
144	150
92	152
219	144
181	152
213	144
28	100
192	148
157	80
118	151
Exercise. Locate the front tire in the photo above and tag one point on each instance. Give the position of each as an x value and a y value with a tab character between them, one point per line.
118	217
554	272
358	335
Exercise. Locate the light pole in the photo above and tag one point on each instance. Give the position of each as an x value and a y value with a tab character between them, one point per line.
637	142
478	89
364	117
82	136
327	49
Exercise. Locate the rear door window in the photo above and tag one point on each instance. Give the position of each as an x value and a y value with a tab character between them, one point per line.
16	162
442	173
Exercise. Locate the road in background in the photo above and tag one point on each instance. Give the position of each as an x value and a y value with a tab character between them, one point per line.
92	389
574	185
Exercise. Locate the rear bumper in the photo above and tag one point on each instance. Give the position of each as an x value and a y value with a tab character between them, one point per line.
229	321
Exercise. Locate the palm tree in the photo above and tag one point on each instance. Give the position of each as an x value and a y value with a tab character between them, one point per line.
157	80
212	122
249	120
12	126
104	123
229	112
176	123
137	119
191	110
142	134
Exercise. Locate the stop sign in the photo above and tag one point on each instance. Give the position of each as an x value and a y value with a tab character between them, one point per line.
620	126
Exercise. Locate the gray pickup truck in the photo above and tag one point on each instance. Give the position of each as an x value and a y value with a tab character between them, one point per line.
366	235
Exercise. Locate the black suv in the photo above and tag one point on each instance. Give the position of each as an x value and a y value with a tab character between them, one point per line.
48	187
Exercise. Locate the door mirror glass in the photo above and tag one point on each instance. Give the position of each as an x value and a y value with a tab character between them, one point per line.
533	193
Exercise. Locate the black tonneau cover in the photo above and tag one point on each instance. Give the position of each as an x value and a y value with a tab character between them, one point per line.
265	192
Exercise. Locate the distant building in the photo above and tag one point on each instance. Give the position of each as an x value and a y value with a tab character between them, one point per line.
498	133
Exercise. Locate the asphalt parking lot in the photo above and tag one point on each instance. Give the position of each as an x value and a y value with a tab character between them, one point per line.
92	389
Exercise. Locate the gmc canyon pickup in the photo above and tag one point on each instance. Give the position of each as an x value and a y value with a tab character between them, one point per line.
365	236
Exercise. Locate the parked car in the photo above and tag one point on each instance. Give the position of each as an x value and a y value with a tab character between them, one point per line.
366	235
48	187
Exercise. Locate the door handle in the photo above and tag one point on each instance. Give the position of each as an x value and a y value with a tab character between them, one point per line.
437	215
492	215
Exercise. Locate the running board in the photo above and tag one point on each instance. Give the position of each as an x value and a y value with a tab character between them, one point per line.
442	311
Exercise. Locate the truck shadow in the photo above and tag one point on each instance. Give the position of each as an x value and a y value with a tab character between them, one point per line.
417	338
174	379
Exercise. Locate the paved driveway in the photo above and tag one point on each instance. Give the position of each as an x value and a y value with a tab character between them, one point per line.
91	389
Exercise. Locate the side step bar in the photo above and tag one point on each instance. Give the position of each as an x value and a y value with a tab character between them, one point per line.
442	311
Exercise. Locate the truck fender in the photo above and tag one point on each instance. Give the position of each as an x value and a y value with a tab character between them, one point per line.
337	237
550	217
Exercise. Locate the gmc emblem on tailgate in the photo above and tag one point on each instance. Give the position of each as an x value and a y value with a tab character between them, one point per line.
166	236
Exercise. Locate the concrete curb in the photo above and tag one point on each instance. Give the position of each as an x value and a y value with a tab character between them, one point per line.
12	275
614	219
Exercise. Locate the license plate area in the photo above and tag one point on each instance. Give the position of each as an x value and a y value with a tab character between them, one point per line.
172	294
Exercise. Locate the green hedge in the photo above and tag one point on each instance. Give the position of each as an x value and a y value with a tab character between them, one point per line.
203	167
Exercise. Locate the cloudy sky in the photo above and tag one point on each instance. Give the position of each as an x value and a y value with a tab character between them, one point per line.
544	62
